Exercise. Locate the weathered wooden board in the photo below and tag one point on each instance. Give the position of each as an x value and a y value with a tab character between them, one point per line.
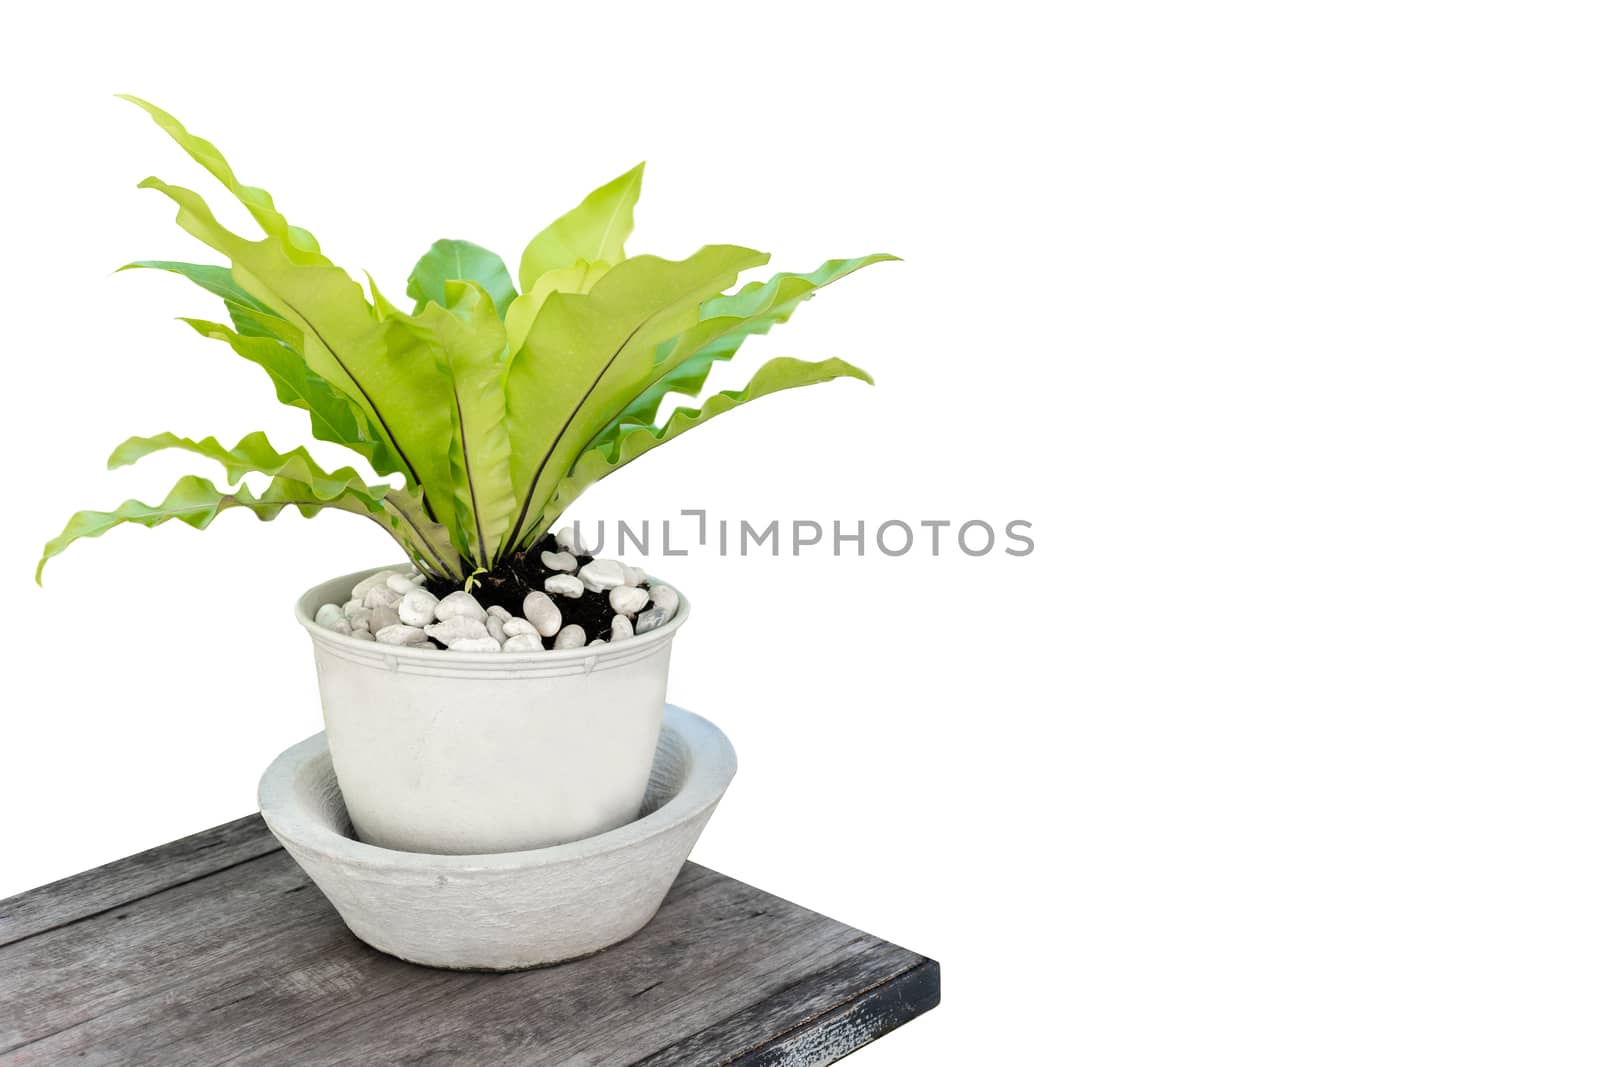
217	948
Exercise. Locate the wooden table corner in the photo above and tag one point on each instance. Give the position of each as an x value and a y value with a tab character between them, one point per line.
216	948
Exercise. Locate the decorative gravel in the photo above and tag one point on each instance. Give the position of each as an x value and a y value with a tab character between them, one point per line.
553	596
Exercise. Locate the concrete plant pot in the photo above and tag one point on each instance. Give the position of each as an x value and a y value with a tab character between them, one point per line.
507	910
464	753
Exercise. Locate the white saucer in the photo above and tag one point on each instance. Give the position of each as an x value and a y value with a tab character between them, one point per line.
507	910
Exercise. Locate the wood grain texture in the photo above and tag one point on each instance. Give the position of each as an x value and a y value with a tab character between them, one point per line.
133	877
217	949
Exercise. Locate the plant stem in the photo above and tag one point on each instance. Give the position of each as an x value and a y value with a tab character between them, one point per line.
443	568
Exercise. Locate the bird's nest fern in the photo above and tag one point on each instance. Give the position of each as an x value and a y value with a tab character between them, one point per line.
496	401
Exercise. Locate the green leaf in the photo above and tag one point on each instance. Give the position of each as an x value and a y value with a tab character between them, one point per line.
460	261
578	278
725	323
774	376
334	417
425	542
254	454
575	251
472	343
587	354
594	231
385	367
195	501
257	201
250	317
208	276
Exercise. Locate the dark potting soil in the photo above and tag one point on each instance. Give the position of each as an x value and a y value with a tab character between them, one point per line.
509	584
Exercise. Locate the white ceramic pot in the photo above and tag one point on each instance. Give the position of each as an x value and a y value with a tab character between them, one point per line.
512	909
463	753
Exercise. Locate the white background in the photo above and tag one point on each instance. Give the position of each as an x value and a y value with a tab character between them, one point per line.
1277	321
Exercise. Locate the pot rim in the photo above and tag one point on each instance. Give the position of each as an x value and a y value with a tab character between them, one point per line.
713	764
437	657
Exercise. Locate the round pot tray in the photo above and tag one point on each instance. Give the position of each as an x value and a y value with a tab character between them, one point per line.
506	910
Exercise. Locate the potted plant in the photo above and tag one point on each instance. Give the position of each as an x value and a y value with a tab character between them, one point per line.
503	689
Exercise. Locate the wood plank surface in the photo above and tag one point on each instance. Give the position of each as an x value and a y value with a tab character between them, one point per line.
133	877
218	949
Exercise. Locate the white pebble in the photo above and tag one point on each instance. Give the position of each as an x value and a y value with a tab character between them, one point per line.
460	604
456	628
603	574
399	583
357	613
541	612
416	608
571	636
497	627
567	539
636	576
361	625
381	617
559	561
380	597
563	584
327	613
363	635
352	605
665	597
626	601
341	625
649	620
597	641
371	582
475	644
498	612
523	643
521	627
400	634
621	628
